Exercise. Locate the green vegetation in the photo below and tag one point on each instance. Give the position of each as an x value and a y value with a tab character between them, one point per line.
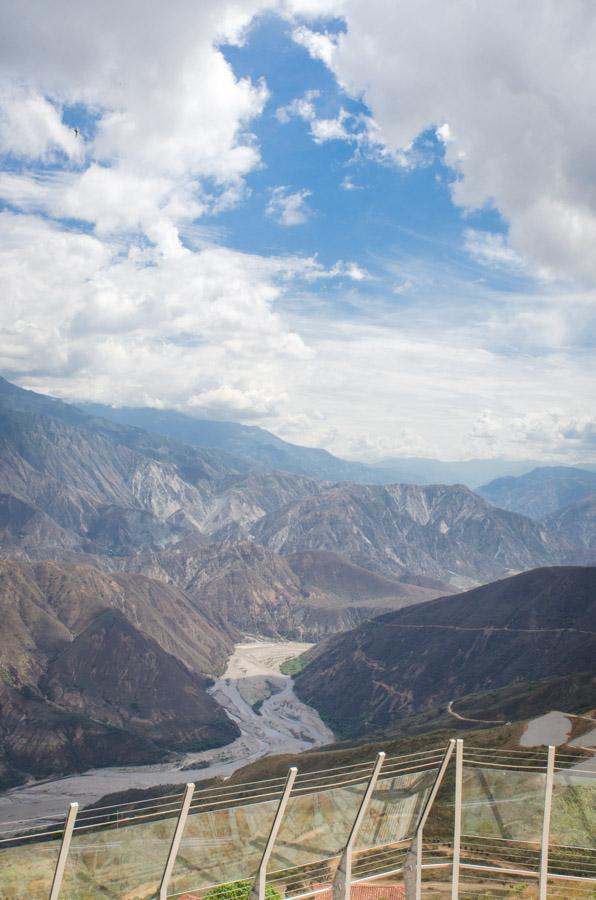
256	706
239	890
293	665
7	676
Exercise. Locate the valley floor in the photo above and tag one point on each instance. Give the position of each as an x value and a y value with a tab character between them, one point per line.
254	693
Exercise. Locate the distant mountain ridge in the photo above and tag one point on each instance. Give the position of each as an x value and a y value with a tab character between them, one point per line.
114	490
542	491
576	523
535	625
249	442
265	449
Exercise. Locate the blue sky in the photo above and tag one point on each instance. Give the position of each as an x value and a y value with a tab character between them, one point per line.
365	226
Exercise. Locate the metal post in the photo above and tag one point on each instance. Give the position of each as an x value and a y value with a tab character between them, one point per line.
64	848
343	877
258	888
175	845
548	796
414	860
459	778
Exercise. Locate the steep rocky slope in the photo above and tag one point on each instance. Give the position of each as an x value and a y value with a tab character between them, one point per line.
542	491
85	655
446	533
242	586
116	674
44	605
535	625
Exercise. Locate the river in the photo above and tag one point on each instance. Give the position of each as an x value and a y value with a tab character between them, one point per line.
283	724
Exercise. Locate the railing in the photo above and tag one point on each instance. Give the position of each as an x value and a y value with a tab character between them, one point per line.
448	822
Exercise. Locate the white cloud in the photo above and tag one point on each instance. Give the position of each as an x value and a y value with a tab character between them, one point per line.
553	432
170	135
348	184
88	319
289	208
322	130
320	45
514	81
31	127
300	107
111	317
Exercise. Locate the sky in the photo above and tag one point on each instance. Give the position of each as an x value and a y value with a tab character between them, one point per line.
365	226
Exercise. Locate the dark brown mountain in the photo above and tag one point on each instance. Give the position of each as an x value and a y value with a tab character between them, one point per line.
542	491
77	646
576	523
535	625
117	675
40	739
45	605
443	532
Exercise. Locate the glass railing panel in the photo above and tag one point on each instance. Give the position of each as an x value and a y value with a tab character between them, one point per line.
395	808
503	803
120	853
222	846
573	812
27	870
316	826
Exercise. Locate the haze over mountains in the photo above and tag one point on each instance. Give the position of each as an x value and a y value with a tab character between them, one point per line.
542	491
562	497
265	449
131	561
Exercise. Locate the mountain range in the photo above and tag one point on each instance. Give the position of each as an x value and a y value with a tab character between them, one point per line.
131	561
541	492
562	497
264	449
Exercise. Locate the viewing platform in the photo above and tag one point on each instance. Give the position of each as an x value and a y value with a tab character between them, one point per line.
450	822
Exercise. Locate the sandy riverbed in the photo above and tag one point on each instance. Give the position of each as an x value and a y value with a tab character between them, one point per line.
283	725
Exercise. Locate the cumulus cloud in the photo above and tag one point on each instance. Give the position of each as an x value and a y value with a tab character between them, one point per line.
96	320
169	136
552	432
348	184
137	303
289	207
32	127
322	130
514	81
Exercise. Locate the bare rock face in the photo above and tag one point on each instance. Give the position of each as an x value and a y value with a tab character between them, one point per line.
242	586
535	625
444	532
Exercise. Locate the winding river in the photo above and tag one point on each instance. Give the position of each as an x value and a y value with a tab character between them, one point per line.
254	693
